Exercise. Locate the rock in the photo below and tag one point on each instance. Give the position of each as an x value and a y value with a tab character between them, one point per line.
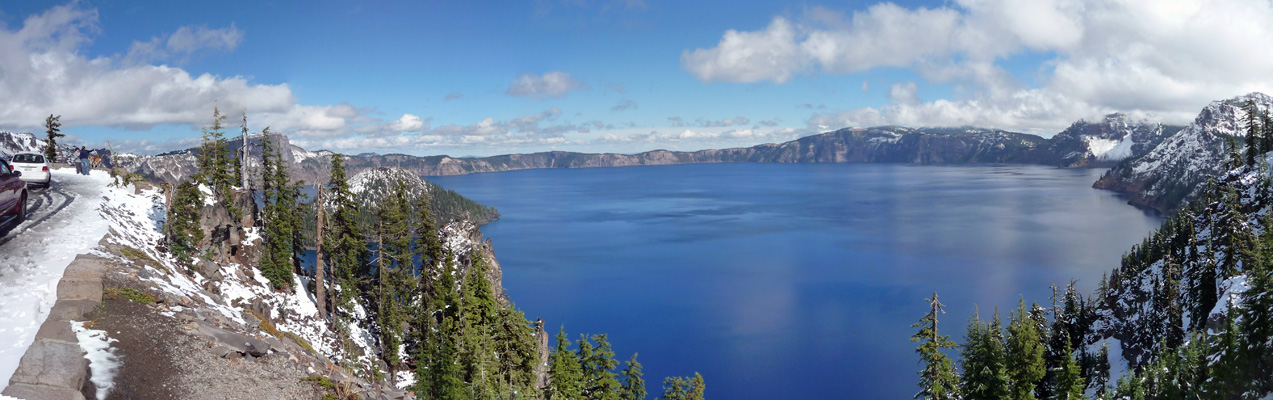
23	391
250	320
186	316
221	351
67	310
52	363
172	299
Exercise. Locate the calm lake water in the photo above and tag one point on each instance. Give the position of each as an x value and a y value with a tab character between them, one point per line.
797	280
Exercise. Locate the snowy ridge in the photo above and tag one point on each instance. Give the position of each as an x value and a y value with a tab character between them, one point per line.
1104	143
1132	313
230	289
1172	172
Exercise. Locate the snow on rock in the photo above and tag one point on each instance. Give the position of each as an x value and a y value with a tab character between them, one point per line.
103	361
32	262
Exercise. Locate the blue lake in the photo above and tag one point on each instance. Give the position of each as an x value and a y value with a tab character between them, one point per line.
792	280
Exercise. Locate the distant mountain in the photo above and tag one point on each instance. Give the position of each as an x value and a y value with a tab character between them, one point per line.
1103	144
1174	171
12	143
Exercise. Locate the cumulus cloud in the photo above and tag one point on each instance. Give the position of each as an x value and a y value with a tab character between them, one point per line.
624	104
549	85
46	72
410	131
714	136
707	123
1143	56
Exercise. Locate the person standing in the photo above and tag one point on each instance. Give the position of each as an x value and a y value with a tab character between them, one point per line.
84	154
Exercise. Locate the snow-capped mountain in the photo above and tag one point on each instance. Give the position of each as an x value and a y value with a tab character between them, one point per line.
1174	170
12	143
1104	143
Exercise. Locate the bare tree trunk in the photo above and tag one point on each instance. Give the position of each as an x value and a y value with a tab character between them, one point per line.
243	154
319	281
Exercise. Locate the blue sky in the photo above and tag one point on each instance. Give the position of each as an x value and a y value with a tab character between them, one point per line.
481	78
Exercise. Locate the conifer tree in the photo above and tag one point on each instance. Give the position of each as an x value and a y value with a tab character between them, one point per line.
565	373
280	220
1257	310
1069	378
1252	132
633	385
678	388
937	378
598	366
346	249
182	224
1025	354
52	131
984	374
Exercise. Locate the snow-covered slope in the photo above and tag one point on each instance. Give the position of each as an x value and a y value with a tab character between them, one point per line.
1106	142
1174	170
12	143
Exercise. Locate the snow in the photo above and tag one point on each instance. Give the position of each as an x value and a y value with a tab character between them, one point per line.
1110	149
103	361
32	263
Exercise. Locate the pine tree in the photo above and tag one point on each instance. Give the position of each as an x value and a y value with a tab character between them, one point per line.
182	223
346	251
565	374
1252	132
677	388
1069	378
633	385
937	378
52	131
281	224
1025	354
982	358
1257	311
598	367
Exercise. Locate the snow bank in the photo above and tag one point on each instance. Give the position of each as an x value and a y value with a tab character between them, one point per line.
102	359
32	263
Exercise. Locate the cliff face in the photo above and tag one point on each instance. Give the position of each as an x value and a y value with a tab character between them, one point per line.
1105	143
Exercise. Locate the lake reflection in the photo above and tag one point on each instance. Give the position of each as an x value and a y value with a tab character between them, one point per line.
798	280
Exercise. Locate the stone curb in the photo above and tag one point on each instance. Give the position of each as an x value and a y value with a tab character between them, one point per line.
54	366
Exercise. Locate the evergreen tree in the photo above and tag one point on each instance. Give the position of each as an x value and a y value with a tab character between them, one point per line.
1257	311
598	366
182	223
677	388
279	217
1025	354
1253	132
52	131
633	385
937	378
1069	379
984	375
346	251
565	373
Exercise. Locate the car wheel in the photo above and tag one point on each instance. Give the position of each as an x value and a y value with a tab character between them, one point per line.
22	209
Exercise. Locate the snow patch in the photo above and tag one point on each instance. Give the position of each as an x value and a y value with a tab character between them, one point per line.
103	361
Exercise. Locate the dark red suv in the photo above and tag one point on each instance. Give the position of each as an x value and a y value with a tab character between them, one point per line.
13	198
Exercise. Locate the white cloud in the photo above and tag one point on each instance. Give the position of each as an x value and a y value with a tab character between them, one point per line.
748	56
184	42
549	85
408	123
904	93
1145	56
45	71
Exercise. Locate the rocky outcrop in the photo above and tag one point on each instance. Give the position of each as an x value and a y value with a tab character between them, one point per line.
1104	143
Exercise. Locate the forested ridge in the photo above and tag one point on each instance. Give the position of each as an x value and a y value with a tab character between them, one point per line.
1188	313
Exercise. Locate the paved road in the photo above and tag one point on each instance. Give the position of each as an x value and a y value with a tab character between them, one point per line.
42	204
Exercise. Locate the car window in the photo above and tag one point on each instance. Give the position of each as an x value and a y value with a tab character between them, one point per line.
29	158
4	169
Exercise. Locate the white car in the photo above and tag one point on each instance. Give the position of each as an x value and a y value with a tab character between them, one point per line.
34	167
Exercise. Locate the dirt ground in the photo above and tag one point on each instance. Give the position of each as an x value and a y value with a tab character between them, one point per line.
162	361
